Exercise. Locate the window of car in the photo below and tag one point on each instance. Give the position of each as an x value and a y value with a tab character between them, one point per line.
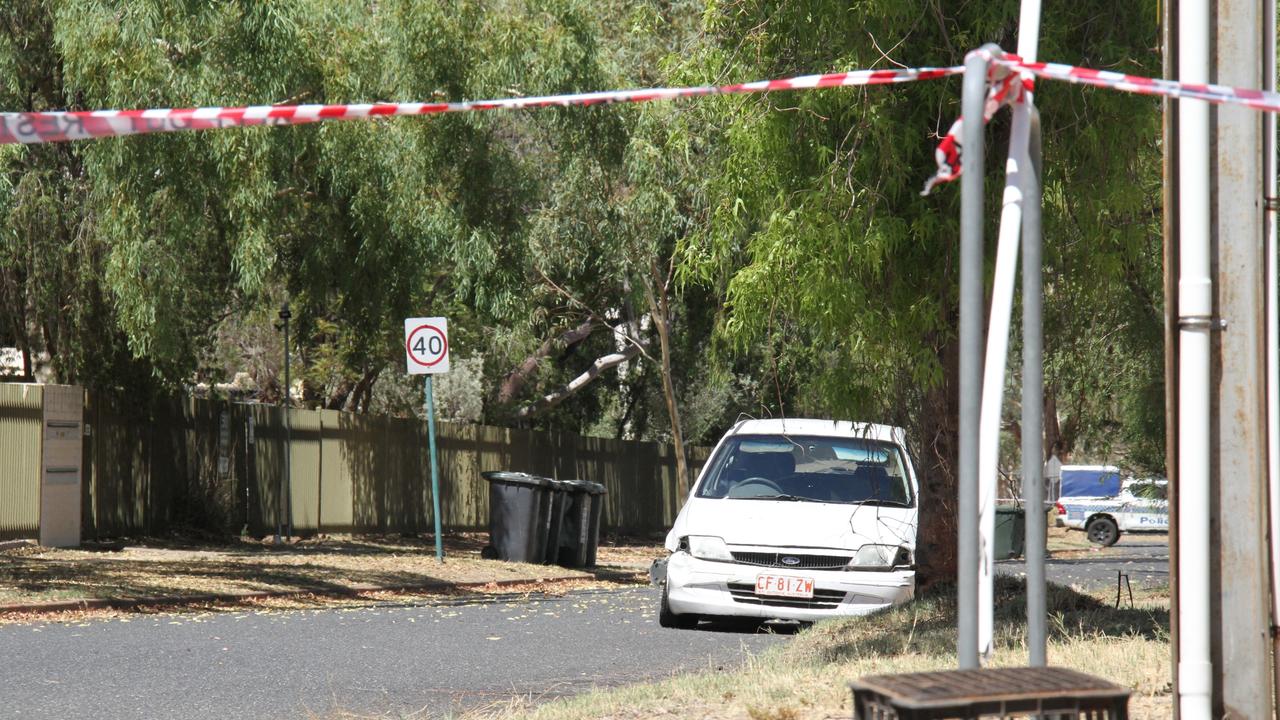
1148	490
809	468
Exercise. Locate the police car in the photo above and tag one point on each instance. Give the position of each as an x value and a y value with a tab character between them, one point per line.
1141	506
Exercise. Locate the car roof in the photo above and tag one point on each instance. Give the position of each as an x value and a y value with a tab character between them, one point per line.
821	428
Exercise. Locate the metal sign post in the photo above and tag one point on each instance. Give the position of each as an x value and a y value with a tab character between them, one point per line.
971	331
426	346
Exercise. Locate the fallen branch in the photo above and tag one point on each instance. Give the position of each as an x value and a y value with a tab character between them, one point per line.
515	380
550	400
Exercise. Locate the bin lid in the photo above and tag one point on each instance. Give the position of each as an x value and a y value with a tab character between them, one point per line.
576	486
515	478
586	486
1008	510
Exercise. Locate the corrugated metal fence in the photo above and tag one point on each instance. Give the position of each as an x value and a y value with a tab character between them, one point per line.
208	464
20	427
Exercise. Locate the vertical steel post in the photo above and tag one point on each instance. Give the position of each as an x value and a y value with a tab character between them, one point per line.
288	428
1033	401
1196	25
1240	651
1272	339
435	473
971	302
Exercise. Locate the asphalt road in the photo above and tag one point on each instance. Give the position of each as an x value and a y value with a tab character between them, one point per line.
1144	558
392	659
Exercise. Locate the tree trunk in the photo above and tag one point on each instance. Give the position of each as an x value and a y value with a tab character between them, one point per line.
362	392
1052	433
936	547
660	310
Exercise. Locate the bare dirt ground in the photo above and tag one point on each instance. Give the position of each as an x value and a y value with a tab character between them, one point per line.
323	569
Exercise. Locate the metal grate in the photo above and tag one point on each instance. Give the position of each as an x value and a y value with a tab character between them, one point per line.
995	692
802	562
822	599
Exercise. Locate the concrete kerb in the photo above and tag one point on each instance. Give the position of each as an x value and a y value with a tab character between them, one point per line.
240	597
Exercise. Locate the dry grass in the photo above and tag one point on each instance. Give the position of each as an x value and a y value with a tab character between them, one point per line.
323	567
806	678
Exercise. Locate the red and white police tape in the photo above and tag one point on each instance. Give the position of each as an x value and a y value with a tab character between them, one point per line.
45	127
1004	87
1004	90
1010	80
1216	94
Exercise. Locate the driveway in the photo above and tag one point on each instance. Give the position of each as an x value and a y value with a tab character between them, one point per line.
1143	558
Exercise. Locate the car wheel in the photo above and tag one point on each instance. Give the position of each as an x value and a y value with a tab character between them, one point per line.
668	619
1103	531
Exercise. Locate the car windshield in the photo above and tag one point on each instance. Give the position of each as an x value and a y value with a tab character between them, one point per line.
816	469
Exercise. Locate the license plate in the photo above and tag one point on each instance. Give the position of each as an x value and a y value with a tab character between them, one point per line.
784	586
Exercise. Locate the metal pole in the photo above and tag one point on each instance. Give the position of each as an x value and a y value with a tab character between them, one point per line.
993	371
288	427
435	473
1272	328
1033	402
1195	311
1033	357
1240	649
971	302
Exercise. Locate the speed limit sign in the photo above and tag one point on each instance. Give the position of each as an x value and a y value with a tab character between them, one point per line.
426	345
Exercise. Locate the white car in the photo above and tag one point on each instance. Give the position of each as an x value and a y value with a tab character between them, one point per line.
795	520
1141	506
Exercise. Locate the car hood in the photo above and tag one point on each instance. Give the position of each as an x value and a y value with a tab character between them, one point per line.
795	524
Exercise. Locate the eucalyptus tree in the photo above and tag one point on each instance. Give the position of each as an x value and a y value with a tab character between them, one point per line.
130	252
818	234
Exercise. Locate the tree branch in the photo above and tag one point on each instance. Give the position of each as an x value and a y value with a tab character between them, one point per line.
515	380
550	400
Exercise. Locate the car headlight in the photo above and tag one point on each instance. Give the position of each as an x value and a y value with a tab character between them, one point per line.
705	547
880	557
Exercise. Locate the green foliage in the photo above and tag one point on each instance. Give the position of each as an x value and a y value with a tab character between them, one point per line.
812	277
363	223
826	251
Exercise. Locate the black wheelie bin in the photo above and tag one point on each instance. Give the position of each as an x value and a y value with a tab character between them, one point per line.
580	535
553	527
597	493
519	507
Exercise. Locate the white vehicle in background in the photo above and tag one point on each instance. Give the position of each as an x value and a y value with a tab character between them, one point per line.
1141	506
795	520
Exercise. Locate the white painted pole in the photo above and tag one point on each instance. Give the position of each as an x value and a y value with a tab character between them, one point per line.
994	369
1195	317
1017	165
1029	30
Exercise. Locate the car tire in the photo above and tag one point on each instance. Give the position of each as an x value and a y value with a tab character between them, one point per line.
668	619
1103	531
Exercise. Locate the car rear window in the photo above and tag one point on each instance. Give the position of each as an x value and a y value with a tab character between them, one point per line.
812	468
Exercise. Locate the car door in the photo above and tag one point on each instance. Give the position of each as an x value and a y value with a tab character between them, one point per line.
1146	507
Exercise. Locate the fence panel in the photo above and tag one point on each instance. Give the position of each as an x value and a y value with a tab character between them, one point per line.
305	470
266	468
219	465
336	506
118	470
464	451
21	408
